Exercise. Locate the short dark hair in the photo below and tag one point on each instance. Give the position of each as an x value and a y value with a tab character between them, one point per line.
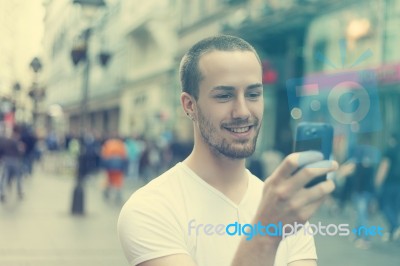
189	71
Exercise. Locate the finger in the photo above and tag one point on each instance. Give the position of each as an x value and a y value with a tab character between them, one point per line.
308	196
317	192
310	209
294	161
309	202
312	171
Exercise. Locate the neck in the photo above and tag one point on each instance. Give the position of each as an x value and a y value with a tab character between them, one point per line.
225	174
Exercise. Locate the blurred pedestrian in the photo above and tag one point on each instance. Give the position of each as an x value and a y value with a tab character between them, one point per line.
92	148
29	139
134	149
344	187
365	159
114	158
388	184
52	141
11	151
150	160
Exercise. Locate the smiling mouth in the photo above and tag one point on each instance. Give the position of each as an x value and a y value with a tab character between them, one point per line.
240	129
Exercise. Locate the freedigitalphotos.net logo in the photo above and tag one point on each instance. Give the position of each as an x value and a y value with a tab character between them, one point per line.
280	230
347	99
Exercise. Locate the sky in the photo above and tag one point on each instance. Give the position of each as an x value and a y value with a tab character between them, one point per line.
21	31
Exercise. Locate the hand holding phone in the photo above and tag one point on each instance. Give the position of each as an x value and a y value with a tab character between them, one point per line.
317	137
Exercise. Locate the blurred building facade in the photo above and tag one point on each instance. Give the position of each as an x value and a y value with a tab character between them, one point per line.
15	76
298	39
368	31
137	91
128	89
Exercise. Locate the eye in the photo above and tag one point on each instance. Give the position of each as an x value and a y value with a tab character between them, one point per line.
254	95
223	97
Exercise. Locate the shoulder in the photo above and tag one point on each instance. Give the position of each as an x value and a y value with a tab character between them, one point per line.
162	199
150	223
160	191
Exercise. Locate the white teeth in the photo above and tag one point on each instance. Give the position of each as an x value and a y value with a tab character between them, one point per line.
240	129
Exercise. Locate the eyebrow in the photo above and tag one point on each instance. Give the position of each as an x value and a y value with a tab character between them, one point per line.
231	88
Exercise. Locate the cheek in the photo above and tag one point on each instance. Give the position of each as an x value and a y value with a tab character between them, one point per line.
215	113
258	110
261	112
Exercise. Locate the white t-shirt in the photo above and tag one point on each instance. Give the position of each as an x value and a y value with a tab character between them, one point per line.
179	213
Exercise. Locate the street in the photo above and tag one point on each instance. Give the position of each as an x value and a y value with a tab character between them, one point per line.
340	250
40	231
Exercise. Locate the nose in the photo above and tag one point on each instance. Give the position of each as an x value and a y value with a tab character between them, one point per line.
240	108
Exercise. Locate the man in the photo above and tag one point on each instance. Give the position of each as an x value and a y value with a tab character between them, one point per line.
29	139
11	150
365	159
388	184
177	218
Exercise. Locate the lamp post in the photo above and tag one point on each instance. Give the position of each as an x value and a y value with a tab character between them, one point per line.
79	53
36	92
16	87
16	90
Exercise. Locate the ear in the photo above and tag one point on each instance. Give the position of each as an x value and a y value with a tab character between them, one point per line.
188	105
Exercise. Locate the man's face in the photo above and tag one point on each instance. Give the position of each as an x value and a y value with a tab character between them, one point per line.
230	103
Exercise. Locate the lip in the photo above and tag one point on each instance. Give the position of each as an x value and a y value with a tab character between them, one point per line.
245	134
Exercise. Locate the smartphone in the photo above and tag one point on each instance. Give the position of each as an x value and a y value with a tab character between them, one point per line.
316	137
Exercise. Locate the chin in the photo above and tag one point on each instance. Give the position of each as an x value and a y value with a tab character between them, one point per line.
240	153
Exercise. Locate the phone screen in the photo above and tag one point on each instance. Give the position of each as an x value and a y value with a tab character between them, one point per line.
309	144
317	137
